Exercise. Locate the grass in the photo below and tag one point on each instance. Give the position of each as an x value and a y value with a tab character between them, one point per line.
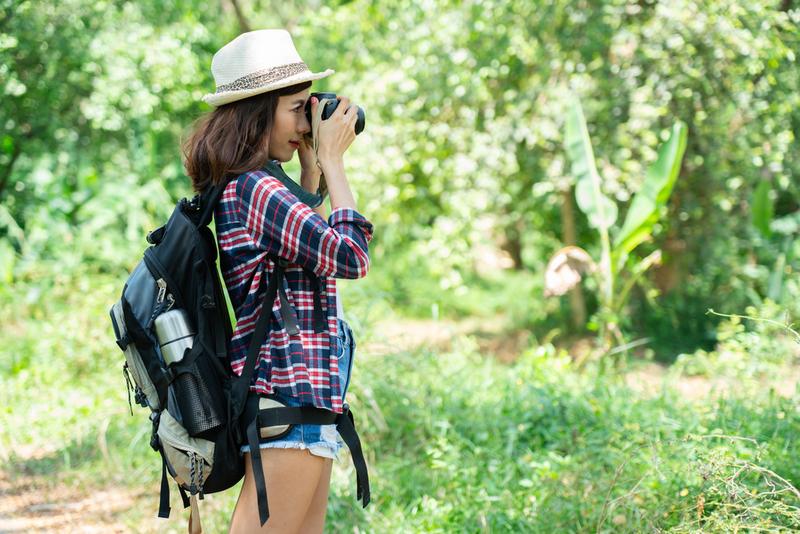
456	441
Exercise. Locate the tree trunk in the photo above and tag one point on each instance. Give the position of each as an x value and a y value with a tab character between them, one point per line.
243	24
513	244
577	304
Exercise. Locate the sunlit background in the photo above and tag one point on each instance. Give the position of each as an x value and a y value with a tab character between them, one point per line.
503	382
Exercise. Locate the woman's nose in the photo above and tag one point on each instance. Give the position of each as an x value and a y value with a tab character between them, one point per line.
303	127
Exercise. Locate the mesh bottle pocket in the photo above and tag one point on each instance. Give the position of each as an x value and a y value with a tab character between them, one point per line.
199	393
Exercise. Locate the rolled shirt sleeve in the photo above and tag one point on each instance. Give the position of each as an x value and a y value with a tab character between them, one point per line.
281	224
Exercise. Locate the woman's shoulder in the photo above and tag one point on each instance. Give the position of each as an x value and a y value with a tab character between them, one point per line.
258	182
256	177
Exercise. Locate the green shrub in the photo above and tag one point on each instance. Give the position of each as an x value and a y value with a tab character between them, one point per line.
747	348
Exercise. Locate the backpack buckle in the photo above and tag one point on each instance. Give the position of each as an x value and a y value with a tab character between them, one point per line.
155	237
124	342
155	444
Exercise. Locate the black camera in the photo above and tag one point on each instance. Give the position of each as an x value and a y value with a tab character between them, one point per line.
330	107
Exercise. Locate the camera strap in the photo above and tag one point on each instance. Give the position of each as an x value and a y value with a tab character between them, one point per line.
276	171
316	120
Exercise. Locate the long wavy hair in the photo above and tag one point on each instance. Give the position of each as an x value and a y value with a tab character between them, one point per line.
232	139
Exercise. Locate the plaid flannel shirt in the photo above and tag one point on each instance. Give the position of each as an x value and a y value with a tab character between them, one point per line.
258	216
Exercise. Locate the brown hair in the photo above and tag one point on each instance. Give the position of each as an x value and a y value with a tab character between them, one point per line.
233	138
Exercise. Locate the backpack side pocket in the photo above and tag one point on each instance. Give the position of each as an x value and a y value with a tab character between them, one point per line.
133	359
189	460
142	300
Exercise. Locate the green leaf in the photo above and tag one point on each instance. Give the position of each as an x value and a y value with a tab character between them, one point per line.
654	194
601	210
762	210
775	280
8	259
7	144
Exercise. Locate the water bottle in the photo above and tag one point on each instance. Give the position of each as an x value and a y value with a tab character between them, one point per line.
174	335
199	403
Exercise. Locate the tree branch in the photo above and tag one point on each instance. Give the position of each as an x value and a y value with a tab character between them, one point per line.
243	24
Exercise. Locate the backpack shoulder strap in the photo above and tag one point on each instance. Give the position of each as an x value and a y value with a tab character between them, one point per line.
241	384
208	201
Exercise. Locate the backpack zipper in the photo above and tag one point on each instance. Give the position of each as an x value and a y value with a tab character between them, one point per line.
161	306
162	290
159	273
128	386
163	295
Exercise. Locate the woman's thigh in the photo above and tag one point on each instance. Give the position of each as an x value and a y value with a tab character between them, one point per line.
314	522
292	478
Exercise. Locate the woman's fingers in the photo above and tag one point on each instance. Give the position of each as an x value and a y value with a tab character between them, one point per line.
338	132
344	104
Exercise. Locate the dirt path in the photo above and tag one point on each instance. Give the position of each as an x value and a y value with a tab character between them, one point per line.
31	505
646	378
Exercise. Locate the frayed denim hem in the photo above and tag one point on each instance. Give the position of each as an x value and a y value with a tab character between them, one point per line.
323	449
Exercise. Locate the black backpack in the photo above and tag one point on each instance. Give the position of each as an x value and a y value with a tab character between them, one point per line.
201	412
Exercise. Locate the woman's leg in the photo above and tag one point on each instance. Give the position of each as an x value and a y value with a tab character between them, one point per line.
314	522
292	477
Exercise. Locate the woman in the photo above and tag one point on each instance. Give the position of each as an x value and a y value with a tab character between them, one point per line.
259	122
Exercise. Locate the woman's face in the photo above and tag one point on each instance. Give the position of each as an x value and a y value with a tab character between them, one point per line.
289	125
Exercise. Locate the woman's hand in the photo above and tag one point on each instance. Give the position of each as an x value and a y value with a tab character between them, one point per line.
337	132
308	159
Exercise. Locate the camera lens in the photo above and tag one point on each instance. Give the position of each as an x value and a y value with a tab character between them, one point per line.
360	120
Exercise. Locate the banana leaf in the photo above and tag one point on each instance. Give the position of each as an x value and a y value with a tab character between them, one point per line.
653	195
601	210
762	211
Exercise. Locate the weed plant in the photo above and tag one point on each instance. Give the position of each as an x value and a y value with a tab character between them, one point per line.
758	344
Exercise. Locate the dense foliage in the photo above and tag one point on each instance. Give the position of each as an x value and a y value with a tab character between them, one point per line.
462	167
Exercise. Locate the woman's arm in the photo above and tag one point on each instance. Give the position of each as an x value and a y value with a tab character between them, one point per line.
336	134
279	223
310	182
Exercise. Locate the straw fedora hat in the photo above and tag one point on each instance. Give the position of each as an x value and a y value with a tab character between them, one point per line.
256	62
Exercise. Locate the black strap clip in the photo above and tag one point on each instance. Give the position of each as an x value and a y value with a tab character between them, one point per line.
155	237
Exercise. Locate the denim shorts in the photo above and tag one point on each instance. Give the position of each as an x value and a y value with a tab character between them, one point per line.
320	440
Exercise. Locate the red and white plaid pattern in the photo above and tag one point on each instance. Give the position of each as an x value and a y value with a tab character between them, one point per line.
258	216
